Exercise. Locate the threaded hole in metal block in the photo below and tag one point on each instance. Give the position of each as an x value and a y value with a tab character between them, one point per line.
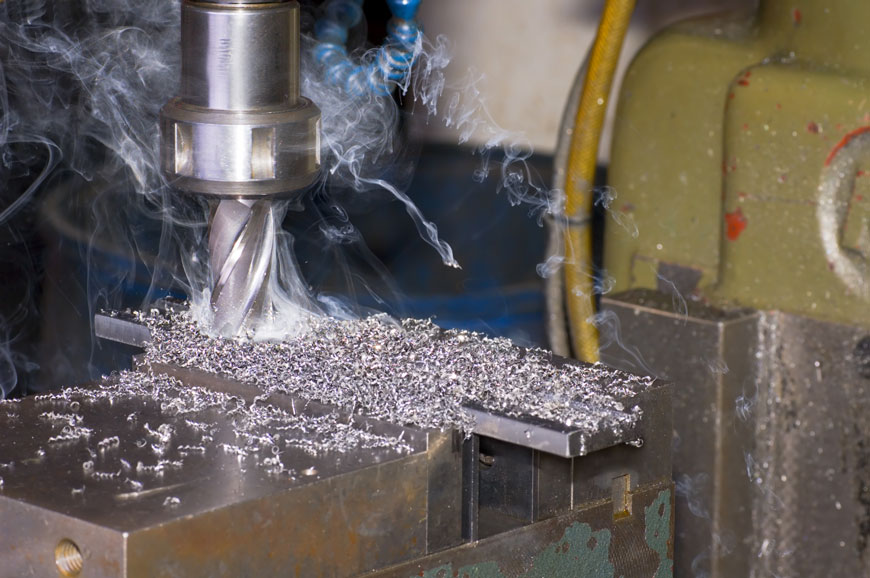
68	558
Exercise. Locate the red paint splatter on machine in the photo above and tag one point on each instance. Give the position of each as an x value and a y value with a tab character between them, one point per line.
844	141
735	223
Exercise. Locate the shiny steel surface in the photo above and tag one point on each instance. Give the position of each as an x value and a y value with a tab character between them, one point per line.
239	127
240	130
543	435
256	154
241	246
240	57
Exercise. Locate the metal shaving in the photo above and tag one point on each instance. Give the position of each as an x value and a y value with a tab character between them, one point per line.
408	373
261	431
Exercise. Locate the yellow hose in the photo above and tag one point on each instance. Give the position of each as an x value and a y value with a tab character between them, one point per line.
579	282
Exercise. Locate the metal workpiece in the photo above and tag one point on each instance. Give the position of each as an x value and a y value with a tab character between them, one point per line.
184	467
546	436
122	327
149	476
412	372
145	475
771	434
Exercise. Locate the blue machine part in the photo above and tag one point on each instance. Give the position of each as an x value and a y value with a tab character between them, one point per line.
389	67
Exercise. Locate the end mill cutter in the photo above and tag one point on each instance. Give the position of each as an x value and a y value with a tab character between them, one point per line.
239	132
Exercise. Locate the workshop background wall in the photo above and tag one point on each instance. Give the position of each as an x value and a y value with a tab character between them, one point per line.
530	53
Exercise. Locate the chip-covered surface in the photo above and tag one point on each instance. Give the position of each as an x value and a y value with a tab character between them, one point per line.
224	457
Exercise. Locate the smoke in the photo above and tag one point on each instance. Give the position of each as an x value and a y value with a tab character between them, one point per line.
367	157
610	336
625	220
77	76
81	86
678	302
695	491
365	150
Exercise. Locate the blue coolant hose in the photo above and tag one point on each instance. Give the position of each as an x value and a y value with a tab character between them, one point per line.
387	68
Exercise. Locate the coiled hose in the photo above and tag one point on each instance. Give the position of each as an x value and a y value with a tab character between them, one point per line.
390	65
580	175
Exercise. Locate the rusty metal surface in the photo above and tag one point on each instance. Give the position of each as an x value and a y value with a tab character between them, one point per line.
586	543
772	426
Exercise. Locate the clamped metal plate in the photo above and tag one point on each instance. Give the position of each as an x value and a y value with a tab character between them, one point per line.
542	435
212	511
518	427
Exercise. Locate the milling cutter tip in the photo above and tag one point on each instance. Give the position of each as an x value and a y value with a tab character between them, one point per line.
241	247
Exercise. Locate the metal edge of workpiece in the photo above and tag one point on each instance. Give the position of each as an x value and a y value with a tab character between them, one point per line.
122	328
539	434
443	449
557	438
526	431
415	437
